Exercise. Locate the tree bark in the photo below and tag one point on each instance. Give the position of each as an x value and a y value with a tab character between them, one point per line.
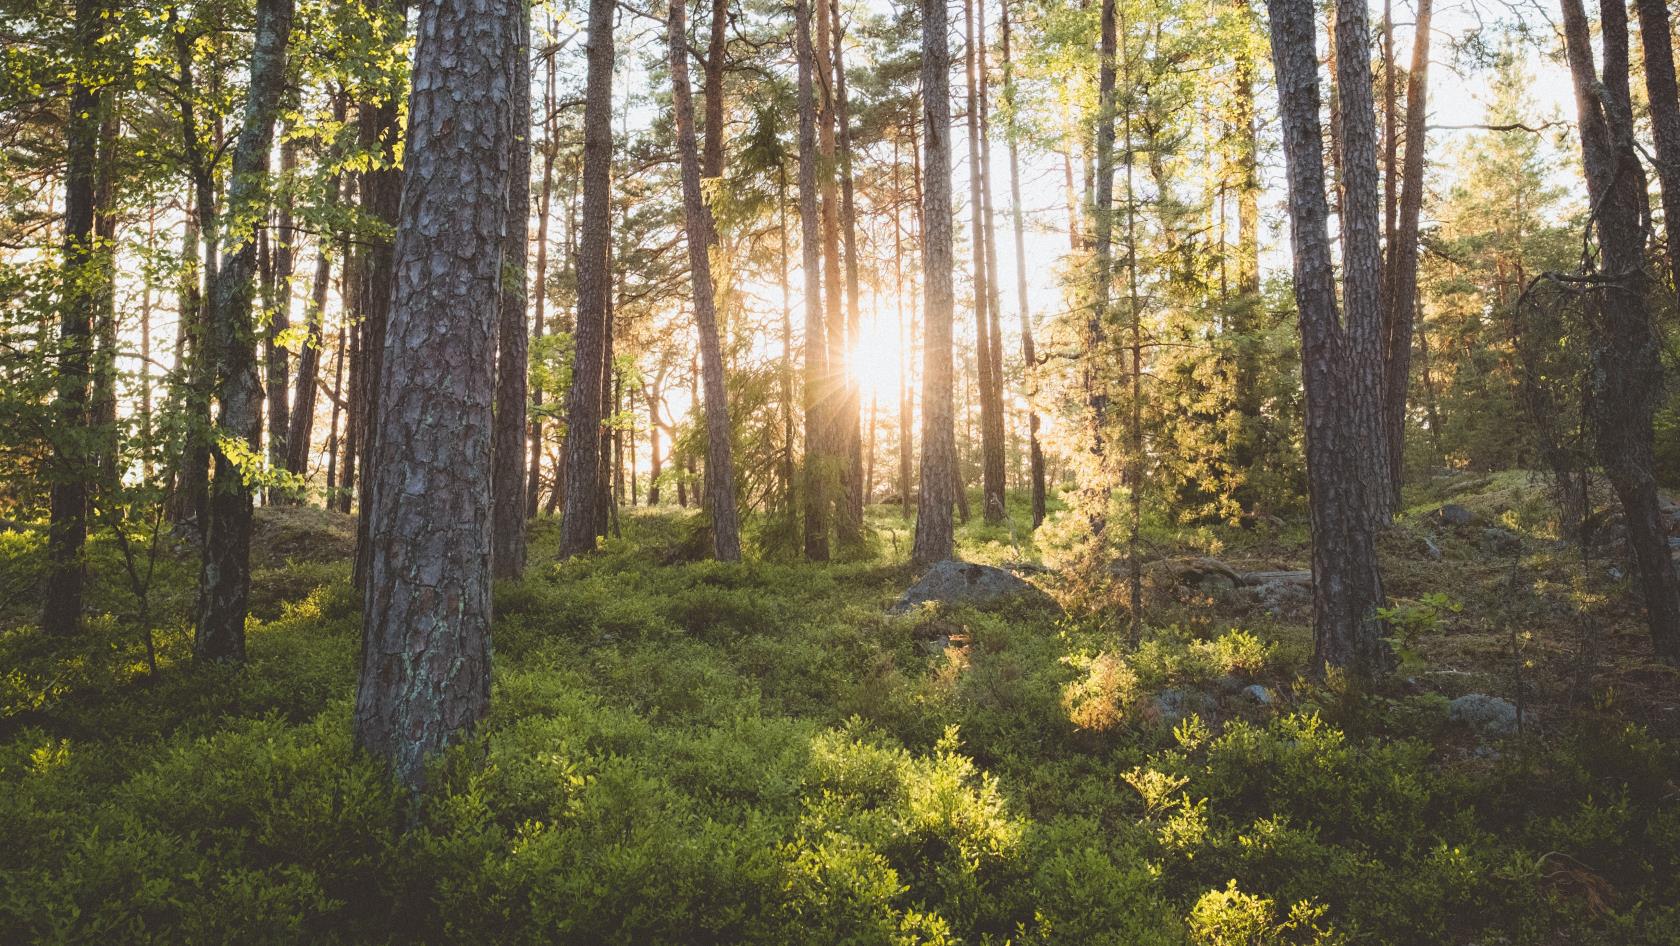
545	204
302	426
1347	586
425	674
1029	355
1096	329
507	486
1400	310
849	514
816	381
280	321
225	578
61	611
934	528
1627	371
991	424
584	402
720	470
1362	265
379	129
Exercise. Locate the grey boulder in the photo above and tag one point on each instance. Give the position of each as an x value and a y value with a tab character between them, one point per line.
964	583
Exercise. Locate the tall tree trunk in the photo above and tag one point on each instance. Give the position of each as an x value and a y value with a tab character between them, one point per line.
995	456
1096	326
379	130
789	504
199	144
816	384
849	518
545	203
720	469
1400	310
837	439
225	578
1347	586
61	611
991	425
1029	355
1663	99
302	428
906	415
507	486
594	281
425	674
1134	320
1627	371
280	316
337	409
934	529
1361	222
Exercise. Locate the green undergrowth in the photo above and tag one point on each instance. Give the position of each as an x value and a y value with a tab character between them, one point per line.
687	752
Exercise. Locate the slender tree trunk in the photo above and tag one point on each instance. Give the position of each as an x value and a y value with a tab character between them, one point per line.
425	675
545	204
507	487
849	518
302	426
280	319
1029	355
720	470
332	425
1244	324
379	131
61	611
583	402
1134	319
1663	100
991	426
789	504
1627	371
225	579
906	415
934	529
816	339
1402	270
835	416
1347	586
1096	327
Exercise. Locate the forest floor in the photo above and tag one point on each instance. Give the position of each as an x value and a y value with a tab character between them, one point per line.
686	752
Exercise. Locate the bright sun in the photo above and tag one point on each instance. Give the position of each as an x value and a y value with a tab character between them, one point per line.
876	359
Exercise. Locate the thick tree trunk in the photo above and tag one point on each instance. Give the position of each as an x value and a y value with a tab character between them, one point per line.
584	401
225	579
1627	371
425	674
1347	586
507	486
1663	99
816	382
1400	309
720	469
934	529
61	611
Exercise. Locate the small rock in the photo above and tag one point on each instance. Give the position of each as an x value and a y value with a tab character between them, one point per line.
1171	707
1452	514
1495	539
954	582
1488	716
1229	683
1255	693
1283	598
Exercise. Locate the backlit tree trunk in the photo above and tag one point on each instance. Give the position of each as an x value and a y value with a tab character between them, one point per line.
1663	100
425	674
1029	355
816	382
720	469
279	302
934	529
849	518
